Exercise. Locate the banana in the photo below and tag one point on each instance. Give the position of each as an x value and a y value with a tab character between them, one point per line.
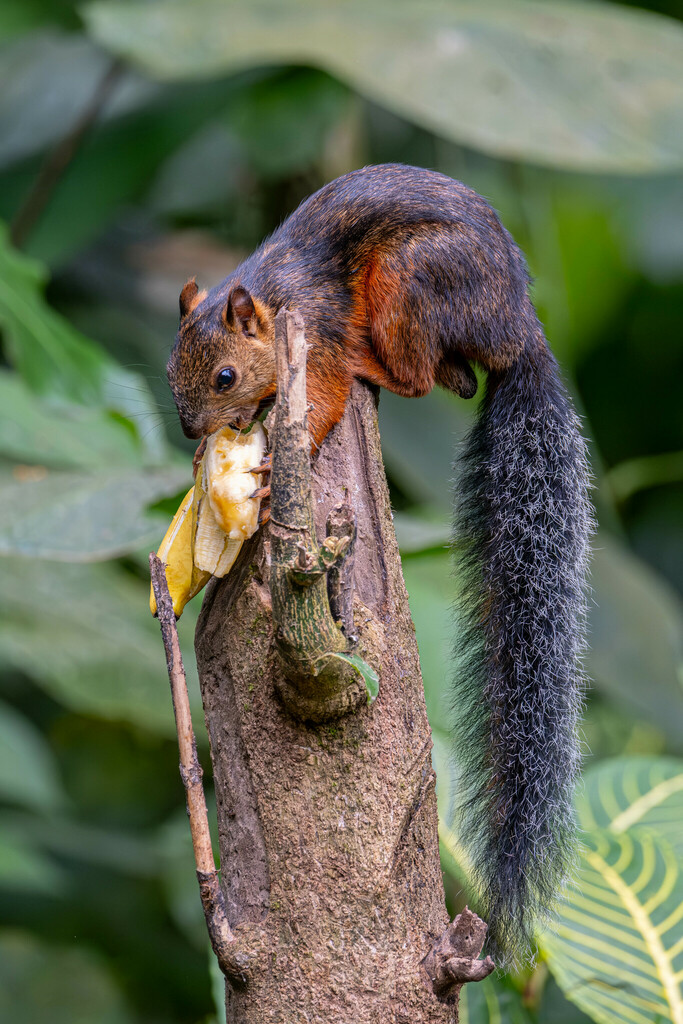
213	551
215	517
228	461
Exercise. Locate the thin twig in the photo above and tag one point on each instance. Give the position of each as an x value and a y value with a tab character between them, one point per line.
213	902
61	156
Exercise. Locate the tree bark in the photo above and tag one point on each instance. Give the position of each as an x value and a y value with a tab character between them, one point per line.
328	831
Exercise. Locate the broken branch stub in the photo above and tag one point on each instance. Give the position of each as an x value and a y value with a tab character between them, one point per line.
317	685
454	957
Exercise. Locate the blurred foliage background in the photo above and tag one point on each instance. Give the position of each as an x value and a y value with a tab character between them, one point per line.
143	143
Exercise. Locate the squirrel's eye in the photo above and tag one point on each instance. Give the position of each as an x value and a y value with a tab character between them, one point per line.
225	378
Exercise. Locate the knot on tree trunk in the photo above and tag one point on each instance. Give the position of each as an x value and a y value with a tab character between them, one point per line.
453	959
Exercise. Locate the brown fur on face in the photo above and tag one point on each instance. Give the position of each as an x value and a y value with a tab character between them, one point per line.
240	336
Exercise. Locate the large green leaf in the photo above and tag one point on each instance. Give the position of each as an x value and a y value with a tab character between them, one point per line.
633	475
139	854
98	650
590	86
64	433
60	364
617	950
114	168
634	792
85	517
263	114
51	356
431	590
422	530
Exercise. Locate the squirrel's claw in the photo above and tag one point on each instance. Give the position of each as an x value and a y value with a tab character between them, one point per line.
263	492
265	467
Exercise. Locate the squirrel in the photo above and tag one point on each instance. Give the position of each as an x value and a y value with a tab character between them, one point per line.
405	278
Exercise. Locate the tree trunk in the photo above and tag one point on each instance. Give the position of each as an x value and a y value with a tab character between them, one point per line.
328	831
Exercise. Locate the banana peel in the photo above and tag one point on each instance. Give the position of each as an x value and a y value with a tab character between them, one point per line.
183	577
215	517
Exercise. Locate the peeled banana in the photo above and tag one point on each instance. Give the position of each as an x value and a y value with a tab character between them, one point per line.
215	517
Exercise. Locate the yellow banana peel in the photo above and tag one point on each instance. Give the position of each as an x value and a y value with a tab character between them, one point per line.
215	517
183	578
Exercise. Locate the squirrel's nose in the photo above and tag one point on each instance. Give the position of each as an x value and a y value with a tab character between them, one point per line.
191	428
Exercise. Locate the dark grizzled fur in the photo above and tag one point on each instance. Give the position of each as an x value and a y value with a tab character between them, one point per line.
523	521
405	277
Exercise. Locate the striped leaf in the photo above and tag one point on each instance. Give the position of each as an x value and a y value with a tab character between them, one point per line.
630	792
617	949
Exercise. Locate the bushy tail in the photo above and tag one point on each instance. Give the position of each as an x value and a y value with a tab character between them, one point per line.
523	523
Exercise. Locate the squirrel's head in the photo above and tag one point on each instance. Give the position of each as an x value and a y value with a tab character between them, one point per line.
222	367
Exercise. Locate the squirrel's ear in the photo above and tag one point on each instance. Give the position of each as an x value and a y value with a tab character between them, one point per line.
190	297
239	311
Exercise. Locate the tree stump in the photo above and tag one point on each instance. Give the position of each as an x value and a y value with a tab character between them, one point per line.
326	804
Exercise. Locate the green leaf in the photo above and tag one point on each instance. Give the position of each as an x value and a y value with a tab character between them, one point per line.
616	950
422	530
491	1001
62	366
136	854
589	86
52	357
46	984
217	985
20	16
419	441
633	475
25	869
28	772
431	589
636	637
63	434
635	633
85	517
46	81
634	792
370	677
97	649
578	288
